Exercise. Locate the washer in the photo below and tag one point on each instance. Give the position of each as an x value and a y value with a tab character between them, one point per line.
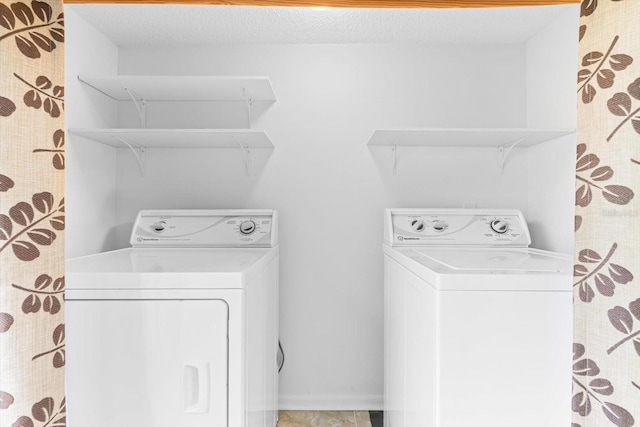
478	326
181	329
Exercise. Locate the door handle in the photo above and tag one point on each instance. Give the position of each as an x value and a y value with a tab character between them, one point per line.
196	387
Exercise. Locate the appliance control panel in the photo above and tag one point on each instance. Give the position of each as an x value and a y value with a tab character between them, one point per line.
456	227
205	228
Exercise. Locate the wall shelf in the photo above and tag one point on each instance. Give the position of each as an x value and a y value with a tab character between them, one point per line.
138	140
142	89
504	139
178	138
464	137
182	88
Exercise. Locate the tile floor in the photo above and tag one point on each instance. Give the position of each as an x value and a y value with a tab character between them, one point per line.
324	419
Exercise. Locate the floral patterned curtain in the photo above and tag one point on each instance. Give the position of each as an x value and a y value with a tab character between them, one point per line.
606	351
32	214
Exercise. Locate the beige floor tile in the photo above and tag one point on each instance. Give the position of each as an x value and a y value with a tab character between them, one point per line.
324	419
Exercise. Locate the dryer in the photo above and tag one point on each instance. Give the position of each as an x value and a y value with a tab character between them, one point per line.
181	329
478	326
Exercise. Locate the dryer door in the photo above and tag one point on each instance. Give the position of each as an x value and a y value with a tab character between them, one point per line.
158	363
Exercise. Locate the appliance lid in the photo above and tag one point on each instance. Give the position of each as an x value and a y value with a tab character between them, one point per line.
168	260
166	268
205	228
492	260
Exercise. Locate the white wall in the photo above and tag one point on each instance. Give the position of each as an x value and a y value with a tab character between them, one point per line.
90	167
552	64
329	187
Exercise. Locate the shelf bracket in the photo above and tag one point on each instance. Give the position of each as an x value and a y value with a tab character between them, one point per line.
141	157
503	155
142	108
249	102
394	150
246	155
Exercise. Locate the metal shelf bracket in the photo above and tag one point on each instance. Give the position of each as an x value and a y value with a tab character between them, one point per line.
246	155
249	102
142	108
140	157
394	150
503	155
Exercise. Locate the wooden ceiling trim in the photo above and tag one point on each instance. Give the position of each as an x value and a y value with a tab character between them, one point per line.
343	3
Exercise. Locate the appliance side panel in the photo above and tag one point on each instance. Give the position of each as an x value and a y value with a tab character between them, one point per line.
420	383
394	345
505	359
410	357
262	345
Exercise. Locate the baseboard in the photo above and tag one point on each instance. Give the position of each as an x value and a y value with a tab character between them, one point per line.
367	402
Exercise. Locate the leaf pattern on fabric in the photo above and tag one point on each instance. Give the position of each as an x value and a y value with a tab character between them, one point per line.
581	32
23	230
590	174
6	399
53	103
587	7
58	352
46	413
6	321
47	294
31	213
587	392
604	275
596	64
7	107
606	306
622	320
618	415
58	150
32	26
6	183
621	104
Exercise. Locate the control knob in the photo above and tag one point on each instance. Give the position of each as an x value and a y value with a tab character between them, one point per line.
158	227
417	225
247	227
499	226
439	226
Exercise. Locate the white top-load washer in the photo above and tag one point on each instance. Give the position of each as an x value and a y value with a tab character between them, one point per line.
181	329
478	326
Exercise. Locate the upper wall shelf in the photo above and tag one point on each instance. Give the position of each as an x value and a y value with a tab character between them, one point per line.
178	138
141	89
464	137
182	88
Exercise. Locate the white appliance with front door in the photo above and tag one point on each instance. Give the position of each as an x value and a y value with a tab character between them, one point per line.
478	326
181	329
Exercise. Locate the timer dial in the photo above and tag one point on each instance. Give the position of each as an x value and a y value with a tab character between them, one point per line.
499	226
417	225
247	227
158	227
440	226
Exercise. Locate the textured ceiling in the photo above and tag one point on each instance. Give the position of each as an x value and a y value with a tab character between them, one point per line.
180	25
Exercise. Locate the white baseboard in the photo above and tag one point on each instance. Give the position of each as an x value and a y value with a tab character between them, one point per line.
367	402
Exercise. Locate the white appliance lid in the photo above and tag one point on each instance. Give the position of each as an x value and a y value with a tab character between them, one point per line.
166	268
512	260
168	260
